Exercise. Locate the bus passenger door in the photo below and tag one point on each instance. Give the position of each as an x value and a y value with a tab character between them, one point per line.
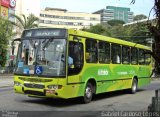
75	61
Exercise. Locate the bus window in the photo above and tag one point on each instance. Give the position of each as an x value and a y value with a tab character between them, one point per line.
141	59
116	53
125	55
134	56
147	59
104	52
76	53
91	51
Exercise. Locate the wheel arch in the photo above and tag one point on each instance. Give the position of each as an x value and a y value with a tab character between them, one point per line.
135	77
94	83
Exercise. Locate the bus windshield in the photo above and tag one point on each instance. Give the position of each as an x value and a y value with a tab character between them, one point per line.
42	57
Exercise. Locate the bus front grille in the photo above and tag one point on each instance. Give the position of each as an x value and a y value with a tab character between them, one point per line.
38	93
38	86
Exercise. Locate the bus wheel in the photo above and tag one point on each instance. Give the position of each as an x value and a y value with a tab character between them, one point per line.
134	86
88	93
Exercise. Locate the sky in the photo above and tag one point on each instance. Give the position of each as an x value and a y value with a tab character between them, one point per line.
89	6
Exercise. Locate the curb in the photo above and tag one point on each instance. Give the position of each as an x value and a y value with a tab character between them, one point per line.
7	86
6	76
153	79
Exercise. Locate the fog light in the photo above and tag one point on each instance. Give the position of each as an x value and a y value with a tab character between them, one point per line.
17	83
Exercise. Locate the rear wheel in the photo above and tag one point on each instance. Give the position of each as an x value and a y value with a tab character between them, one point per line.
88	93
133	89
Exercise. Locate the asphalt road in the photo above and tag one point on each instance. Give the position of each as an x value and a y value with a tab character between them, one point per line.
22	105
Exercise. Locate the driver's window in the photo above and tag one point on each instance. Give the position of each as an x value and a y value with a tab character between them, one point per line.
75	57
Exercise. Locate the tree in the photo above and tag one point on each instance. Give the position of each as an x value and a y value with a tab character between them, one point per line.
99	29
6	33
115	22
24	22
135	33
155	33
139	17
118	32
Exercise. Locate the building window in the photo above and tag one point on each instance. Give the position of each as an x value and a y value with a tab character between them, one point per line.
93	19
42	15
41	21
47	21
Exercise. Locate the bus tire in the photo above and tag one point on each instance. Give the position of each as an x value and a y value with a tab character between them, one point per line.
133	89
88	93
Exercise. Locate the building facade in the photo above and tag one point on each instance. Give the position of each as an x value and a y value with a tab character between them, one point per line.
115	13
7	7
60	18
27	7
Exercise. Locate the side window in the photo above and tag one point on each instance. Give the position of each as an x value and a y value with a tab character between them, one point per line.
91	51
104	52
147	58
125	55
116	54
134	56
75	57
141	58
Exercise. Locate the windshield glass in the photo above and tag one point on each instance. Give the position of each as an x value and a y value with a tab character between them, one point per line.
41	57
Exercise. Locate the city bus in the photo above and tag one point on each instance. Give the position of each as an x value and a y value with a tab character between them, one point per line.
69	63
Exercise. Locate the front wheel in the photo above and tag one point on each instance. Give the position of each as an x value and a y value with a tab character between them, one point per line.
133	89
88	93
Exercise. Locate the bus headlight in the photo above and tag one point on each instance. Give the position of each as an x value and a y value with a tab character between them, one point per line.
54	87
17	83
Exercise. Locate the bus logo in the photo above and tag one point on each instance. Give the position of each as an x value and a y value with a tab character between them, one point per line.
102	72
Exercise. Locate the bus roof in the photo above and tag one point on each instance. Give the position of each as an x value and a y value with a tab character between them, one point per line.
96	36
105	38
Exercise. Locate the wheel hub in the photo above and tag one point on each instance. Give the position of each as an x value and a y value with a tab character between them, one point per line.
88	92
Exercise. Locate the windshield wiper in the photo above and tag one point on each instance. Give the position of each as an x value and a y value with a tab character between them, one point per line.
48	41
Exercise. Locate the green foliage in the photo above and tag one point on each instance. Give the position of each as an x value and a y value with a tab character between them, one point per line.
119	32
6	33
139	17
115	22
3	57
135	33
99	29
24	22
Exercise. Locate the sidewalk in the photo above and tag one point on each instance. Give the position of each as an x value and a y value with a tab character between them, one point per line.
155	78
6	80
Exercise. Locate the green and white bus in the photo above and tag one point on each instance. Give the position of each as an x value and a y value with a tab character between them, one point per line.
68	63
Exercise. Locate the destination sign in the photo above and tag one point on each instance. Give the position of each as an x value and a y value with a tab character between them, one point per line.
44	32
